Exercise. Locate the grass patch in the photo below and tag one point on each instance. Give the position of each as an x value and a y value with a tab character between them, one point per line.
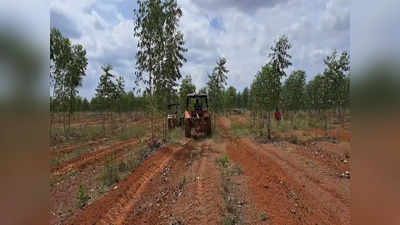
56	160
83	196
175	135
136	131
76	134
223	162
233	215
110	172
264	216
228	220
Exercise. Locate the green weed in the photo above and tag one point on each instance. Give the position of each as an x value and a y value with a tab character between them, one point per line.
223	161
264	216
83	196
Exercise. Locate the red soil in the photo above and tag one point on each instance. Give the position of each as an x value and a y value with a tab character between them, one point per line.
182	184
84	160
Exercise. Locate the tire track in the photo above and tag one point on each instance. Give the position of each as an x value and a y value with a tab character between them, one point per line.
207	187
201	203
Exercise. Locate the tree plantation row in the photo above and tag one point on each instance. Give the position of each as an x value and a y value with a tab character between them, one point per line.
159	82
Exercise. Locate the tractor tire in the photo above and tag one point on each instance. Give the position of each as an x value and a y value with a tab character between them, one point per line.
169	124
188	129
209	131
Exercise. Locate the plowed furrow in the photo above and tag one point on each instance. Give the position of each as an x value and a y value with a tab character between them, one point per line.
84	160
276	191
115	207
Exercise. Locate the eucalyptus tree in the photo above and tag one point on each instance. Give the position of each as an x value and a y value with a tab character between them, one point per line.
68	65
272	73
230	98
319	96
203	90
216	84
294	92
106	91
245	98
160	48
76	70
266	89
119	92
279	61
186	88
336	72
60	53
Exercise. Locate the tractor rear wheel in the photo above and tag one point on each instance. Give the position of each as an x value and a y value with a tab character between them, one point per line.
188	129
208	127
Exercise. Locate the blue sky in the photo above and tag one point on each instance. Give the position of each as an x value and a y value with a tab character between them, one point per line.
241	31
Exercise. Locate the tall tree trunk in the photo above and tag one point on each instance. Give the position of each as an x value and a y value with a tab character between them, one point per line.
70	110
164	128
294	118
269	126
326	123
104	123
64	122
51	124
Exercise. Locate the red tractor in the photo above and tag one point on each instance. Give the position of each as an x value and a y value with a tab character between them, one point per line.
197	118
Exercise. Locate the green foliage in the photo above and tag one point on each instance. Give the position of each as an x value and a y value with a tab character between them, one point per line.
223	161
245	98
160	51
68	65
264	216
293	92
203	90
337	75
160	44
266	88
279	57
230	98
186	88
175	135
83	196
135	131
228	220
106	90
216	85
110	172
318	93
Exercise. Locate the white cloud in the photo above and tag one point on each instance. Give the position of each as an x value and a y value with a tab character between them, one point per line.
244	35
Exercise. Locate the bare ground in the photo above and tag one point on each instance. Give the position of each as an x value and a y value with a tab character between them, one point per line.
184	183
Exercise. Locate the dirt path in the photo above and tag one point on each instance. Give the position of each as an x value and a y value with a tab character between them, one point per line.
201	202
